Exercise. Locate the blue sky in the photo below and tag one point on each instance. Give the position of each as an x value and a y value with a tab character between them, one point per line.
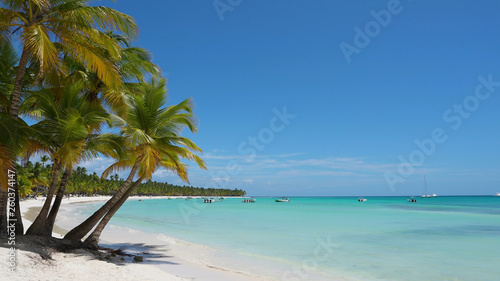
327	120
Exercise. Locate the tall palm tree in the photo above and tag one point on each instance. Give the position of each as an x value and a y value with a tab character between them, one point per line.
80	28
68	132
152	138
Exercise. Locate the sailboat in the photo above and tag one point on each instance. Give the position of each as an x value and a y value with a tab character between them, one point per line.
425	194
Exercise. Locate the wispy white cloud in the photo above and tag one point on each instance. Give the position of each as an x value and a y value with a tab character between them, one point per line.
298	172
97	165
222	179
234	171
289	155
214	156
163	173
293	164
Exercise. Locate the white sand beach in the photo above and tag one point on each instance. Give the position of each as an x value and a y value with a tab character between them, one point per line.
165	258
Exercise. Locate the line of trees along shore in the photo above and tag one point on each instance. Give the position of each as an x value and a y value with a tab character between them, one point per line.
34	178
75	73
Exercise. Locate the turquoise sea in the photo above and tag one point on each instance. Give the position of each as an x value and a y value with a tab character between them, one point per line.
314	238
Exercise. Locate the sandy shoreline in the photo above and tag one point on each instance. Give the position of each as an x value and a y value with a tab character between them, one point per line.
165	258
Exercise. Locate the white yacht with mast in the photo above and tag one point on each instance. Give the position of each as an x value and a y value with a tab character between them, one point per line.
425	194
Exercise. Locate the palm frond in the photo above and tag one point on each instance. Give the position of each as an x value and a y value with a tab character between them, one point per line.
118	166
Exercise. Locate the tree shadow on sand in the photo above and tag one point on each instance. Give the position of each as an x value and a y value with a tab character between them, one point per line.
119	253
151	254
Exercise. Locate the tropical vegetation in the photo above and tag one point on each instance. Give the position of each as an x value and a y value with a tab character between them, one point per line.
72	88
34	178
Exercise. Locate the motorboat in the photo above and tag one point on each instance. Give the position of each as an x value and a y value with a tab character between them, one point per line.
283	199
361	199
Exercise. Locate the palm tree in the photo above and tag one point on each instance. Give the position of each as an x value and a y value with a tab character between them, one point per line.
78	27
152	138
44	158
134	64
68	132
37	175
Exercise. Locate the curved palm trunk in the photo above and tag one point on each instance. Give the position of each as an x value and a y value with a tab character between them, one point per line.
40	220
14	112
49	224
85	227
93	238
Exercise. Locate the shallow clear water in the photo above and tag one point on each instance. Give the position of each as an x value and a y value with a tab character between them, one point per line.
384	238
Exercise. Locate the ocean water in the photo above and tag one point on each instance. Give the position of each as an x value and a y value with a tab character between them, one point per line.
319	238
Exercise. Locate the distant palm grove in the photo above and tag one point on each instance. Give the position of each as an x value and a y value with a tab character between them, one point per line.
74	88
34	177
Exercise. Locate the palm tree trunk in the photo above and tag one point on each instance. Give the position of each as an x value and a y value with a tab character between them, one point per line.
49	224
14	112
40	220
18	83
93	238
85	227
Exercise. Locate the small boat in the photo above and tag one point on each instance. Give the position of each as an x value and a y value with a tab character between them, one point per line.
498	194
189	198
411	199
208	200
361	199
249	200
283	199
434	195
